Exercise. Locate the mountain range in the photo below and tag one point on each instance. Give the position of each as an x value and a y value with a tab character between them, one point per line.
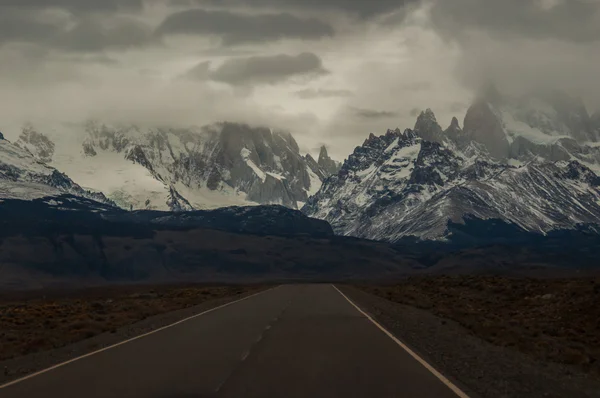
531	161
185	169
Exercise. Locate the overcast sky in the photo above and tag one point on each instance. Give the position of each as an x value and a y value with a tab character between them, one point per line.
329	71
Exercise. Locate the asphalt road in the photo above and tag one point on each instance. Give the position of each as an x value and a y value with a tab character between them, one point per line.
292	341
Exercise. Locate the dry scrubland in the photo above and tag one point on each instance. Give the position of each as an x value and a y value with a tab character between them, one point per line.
29	325
554	320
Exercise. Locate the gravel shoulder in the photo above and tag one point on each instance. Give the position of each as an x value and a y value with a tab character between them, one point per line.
20	366
482	369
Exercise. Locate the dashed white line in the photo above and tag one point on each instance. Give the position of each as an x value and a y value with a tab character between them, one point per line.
430	368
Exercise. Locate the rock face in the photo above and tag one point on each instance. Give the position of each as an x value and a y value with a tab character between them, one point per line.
428	128
482	125
544	125
326	164
22	176
196	168
36	143
399	185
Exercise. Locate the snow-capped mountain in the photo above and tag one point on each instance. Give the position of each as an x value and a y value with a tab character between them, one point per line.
22	176
400	184
544	125
194	168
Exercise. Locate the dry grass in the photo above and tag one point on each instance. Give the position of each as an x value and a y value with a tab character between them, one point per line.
31	325
551	319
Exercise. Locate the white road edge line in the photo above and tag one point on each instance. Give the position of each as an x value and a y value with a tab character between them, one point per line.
430	368
10	383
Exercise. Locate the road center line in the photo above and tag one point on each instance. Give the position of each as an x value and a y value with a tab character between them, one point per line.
430	368
129	340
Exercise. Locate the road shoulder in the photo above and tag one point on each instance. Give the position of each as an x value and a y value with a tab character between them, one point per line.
486	370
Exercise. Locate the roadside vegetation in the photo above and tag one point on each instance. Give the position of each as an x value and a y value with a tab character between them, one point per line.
554	320
39	321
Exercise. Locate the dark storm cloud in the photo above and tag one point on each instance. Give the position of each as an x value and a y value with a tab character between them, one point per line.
571	20
260	69
322	93
95	36
22	27
75	6
361	8
236	28
88	35
371	113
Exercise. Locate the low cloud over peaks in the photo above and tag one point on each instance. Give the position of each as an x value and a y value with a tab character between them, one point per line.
270	69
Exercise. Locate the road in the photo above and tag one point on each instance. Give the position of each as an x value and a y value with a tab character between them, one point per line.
291	341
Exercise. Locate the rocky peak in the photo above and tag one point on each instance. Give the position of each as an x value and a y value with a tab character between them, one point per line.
453	132
328	165
454	123
36	143
483	125
1	136
427	127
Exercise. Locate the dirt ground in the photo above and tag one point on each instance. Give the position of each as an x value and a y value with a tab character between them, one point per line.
38	321
555	320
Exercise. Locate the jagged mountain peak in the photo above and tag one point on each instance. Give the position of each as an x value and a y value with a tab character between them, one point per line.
483	125
454	124
415	187
327	164
427	126
323	153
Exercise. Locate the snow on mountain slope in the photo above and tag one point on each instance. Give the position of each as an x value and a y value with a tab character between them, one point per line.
400	185
22	176
209	167
126	183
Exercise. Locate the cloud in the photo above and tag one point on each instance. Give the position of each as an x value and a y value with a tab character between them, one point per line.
74	6
569	20
523	46
270	69
199	72
417	86
310	93
372	113
360	8
20	27
238	28
93	35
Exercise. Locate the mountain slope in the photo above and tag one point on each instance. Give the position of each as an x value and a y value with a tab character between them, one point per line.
22	176
400	185
178	169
